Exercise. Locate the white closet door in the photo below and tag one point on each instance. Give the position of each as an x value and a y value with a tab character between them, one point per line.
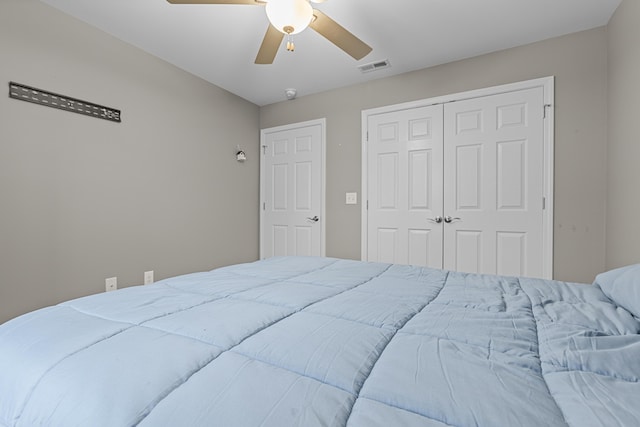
292	194
493	184
404	164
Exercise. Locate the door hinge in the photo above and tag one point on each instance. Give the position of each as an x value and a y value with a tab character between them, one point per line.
264	149
264	206
544	110
544	203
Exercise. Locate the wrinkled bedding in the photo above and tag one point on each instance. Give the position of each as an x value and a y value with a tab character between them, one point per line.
304	341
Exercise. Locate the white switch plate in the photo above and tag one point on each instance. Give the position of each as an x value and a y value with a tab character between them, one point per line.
148	277
111	284
351	199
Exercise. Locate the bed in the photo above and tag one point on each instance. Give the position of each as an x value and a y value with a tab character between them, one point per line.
306	341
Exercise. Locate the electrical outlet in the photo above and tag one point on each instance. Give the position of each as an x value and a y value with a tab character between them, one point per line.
111	284
351	198
148	277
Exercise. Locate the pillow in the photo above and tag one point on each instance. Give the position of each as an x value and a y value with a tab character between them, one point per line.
622	285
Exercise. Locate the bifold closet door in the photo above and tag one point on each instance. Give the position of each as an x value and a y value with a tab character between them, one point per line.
493	184
404	164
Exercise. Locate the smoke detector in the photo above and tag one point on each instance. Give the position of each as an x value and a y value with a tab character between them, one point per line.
290	93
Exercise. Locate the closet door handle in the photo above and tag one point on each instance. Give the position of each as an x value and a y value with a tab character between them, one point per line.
449	219
437	219
314	219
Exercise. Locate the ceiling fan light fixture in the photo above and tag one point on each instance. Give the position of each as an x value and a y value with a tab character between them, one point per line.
289	16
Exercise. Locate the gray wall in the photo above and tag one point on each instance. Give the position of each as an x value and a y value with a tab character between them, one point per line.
579	63
623	207
82	199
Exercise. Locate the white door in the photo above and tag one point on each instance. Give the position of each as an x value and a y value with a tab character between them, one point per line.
462	182
404	164
292	190
493	184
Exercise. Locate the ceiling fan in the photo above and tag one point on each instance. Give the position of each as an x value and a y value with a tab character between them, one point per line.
288	17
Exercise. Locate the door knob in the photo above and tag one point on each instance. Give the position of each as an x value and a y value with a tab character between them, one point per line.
314	219
437	219
449	219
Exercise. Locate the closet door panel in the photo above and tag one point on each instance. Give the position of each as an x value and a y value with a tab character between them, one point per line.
404	164
493	184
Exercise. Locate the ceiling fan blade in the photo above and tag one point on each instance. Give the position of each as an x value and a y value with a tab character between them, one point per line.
339	36
270	45
254	2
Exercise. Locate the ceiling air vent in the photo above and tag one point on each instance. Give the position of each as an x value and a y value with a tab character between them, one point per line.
374	66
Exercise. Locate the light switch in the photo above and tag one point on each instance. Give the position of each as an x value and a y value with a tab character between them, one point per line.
351	199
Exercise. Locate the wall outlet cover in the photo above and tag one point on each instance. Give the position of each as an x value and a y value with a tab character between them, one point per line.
148	277
111	284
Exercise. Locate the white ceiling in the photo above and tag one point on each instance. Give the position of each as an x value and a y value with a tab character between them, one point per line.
219	42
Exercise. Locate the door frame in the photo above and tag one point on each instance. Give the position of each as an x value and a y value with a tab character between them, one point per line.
548	86
322	122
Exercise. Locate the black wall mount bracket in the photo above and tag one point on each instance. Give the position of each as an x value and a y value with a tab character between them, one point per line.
62	102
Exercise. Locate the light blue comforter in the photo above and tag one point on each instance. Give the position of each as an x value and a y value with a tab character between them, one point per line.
325	342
